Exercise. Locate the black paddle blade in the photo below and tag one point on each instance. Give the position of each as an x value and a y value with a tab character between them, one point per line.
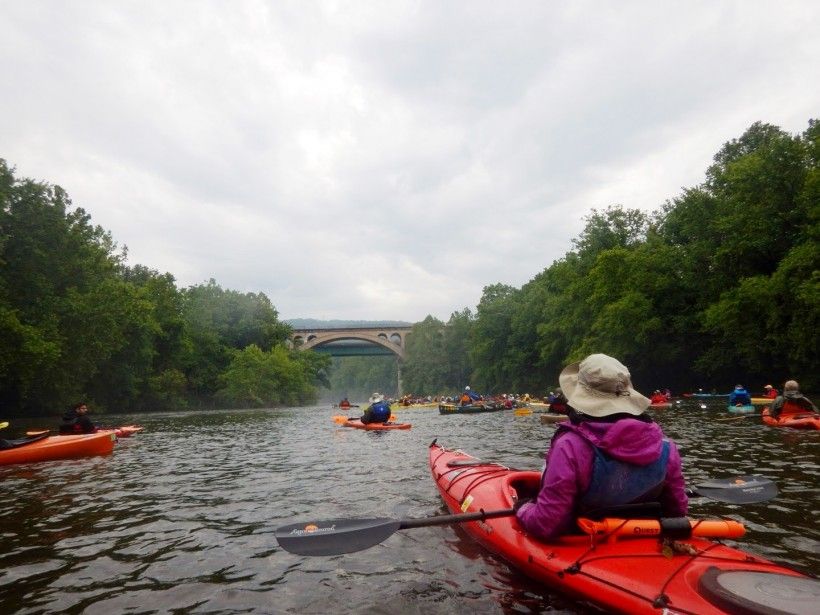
738	490
334	536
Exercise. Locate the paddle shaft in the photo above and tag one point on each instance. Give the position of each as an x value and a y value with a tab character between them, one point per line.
737	418
338	536
450	519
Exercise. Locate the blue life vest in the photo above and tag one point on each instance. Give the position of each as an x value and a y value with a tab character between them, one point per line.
615	483
381	412
739	396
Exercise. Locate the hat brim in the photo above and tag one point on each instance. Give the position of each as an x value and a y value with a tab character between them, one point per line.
598	403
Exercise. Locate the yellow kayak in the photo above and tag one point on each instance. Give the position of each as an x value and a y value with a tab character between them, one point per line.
397	406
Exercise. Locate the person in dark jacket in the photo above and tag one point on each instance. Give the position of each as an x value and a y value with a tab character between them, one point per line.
792	401
77	421
558	405
378	411
610	454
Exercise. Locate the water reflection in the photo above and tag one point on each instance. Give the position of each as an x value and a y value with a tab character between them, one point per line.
181	516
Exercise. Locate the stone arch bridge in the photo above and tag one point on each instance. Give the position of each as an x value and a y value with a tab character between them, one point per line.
352	341
348	340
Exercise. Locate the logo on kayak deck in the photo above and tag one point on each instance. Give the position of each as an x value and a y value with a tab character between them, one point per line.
312	529
466	503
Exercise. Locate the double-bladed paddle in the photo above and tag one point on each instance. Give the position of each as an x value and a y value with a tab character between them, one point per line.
738	490
338	536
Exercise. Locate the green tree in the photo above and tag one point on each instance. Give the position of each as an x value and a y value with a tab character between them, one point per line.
219	321
455	347
357	377
490	336
61	296
257	378
425	367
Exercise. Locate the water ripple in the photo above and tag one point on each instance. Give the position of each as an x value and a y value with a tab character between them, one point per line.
181	517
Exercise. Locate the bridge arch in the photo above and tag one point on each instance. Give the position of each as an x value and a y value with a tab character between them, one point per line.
389	338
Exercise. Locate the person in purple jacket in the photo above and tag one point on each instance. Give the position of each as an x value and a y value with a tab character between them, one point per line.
610	454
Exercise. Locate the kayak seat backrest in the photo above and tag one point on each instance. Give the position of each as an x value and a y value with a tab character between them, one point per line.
524	485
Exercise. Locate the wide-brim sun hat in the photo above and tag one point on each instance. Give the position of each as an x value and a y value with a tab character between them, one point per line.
376	398
601	385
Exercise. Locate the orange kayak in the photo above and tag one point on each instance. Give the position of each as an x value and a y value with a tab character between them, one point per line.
49	448
126	430
795	421
357	424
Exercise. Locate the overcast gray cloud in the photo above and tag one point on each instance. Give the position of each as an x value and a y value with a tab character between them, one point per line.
384	160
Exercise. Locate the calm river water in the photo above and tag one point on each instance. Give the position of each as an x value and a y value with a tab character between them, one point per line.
180	519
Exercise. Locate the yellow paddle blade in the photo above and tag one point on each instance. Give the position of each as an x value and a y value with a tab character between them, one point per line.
339	418
4	424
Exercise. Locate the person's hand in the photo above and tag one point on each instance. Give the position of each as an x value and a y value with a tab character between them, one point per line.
520	502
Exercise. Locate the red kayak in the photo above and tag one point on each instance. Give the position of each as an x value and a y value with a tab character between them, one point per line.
636	573
49	448
357	424
795	421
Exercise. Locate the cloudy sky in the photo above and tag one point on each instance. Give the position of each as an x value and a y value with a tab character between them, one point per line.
384	160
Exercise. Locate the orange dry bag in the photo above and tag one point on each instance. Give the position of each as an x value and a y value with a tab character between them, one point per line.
640	528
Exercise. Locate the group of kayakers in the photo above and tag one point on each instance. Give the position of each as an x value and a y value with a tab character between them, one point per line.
378	409
610	453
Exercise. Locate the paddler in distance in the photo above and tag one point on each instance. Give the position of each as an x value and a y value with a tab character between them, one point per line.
611	453
771	392
740	396
77	421
792	401
378	411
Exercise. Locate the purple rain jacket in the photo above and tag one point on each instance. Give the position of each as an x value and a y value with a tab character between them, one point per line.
569	470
